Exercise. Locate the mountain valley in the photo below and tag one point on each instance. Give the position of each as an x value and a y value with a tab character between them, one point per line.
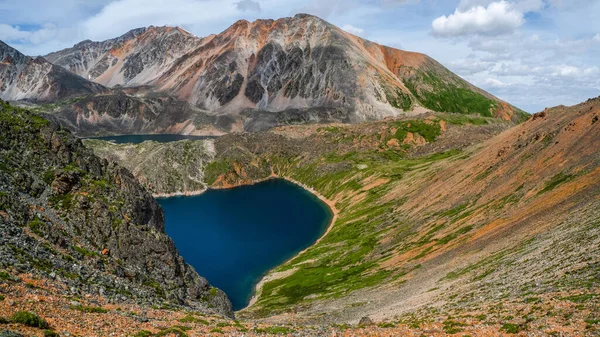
454	212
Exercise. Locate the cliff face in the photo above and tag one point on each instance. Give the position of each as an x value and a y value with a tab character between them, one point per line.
26	78
277	72
66	214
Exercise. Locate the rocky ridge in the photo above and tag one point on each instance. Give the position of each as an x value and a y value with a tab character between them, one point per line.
133	59
37	80
165	169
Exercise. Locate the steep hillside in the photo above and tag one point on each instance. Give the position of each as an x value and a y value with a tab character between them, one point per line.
279	72
35	79
491	219
87	224
452	218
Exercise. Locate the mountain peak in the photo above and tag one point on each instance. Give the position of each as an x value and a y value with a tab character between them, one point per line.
82	43
36	79
301	16
9	54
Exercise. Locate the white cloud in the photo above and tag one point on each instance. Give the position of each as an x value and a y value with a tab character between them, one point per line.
523	6
466	5
596	38
495	83
26	40
495	19
511	68
120	16
573	71
248	5
11	33
353	30
526	6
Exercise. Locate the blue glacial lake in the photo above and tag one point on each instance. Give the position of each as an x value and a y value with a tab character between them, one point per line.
136	139
233	237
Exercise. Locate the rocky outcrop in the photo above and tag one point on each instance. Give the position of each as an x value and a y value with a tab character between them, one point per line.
138	112
66	214
35	79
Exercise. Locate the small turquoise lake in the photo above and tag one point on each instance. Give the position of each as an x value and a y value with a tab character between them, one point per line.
232	237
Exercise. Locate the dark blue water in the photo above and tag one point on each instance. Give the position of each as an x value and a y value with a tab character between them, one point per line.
232	237
136	139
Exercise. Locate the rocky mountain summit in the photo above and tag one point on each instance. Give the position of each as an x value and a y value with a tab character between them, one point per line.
251	77
133	59
69	216
35	79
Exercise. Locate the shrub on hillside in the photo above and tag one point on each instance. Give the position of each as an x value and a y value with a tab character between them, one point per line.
29	319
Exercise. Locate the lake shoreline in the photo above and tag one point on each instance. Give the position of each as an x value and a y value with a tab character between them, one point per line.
334	215
265	278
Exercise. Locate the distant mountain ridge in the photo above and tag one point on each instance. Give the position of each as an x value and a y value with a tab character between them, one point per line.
251	77
35	79
276	65
129	60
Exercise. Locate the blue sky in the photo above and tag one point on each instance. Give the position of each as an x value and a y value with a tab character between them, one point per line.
532	53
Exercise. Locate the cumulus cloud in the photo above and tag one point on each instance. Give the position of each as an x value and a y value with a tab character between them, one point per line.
530	46
120	16
527	6
495	19
11	33
519	5
41	35
596	38
353	30
248	6
573	71
495	83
